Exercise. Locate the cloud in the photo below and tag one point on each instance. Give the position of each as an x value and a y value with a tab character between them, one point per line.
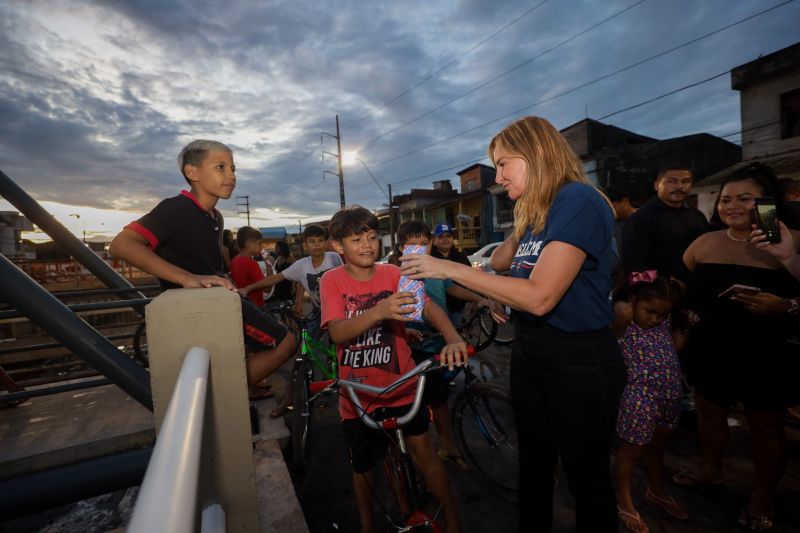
98	98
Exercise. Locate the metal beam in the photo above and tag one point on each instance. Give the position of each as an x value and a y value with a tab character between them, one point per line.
50	488
87	306
45	391
47	312
63	238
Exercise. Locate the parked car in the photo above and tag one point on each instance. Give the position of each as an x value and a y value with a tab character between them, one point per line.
480	259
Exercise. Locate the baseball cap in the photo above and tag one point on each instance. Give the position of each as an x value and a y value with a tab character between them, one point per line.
442	228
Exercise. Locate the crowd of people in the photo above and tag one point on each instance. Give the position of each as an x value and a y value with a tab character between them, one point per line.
621	314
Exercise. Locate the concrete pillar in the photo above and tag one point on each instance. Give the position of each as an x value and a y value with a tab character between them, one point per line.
210	318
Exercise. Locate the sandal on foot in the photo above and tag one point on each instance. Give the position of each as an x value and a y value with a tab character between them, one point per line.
280	410
668	504
455	460
685	478
632	521
755	522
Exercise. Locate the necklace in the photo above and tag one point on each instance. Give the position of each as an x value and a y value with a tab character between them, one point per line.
736	239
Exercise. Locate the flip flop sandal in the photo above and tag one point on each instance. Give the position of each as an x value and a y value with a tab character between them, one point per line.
280	410
684	478
632	521
455	460
668	504
755	522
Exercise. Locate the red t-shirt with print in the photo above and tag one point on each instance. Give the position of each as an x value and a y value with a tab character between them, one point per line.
378	356
245	271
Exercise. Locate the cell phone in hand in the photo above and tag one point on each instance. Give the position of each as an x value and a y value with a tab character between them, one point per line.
738	289
767	219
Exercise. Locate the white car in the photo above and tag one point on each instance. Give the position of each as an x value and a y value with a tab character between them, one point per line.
480	259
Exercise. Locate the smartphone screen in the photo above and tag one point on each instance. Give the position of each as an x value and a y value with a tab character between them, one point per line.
767	219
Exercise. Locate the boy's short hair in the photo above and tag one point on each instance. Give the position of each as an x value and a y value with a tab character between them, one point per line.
314	230
352	221
245	234
673	166
196	151
412	228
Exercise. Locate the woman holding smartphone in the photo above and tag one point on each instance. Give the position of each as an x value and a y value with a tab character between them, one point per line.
567	372
737	352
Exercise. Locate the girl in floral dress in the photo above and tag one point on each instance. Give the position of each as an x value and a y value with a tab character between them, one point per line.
645	323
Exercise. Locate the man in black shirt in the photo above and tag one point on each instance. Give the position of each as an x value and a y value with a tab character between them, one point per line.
657	234
443	249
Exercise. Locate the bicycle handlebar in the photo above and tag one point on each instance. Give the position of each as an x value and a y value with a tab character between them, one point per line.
352	386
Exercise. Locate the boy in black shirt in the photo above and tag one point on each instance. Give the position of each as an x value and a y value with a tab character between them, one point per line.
180	240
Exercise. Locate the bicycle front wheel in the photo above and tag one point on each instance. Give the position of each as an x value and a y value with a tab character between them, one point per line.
505	332
301	415
483	422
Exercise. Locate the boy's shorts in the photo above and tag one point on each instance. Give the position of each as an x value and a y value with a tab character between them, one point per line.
262	331
437	383
367	446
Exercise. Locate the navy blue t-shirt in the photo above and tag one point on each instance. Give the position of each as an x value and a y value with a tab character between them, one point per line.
581	217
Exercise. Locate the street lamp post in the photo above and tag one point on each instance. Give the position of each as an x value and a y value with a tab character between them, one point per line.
338	156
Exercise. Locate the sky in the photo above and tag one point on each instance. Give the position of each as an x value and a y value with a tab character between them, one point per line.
97	98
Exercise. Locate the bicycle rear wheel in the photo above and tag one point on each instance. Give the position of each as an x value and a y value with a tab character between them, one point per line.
301	415
486	435
479	330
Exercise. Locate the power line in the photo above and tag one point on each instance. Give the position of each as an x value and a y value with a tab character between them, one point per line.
449	64
505	73
583	85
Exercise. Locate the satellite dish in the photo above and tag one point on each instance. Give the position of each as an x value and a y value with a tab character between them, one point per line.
464	219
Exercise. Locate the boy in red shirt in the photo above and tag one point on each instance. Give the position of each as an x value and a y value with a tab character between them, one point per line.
245	269
364	317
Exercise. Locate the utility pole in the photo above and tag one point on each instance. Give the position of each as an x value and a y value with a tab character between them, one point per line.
337	155
391	214
244	202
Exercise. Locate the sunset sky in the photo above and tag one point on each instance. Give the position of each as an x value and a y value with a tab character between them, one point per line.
97	98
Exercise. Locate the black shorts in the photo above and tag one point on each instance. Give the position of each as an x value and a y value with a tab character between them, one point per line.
367	446
262	330
437	383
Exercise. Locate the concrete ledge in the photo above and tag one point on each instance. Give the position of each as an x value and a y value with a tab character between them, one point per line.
278	506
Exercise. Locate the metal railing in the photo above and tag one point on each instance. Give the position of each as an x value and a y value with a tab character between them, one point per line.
167	497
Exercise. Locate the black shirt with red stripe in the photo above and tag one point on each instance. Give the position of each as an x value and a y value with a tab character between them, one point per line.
181	232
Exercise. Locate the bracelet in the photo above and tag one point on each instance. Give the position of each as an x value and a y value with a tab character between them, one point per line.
794	306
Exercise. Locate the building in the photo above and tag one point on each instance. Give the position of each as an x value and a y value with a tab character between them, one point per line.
12	224
769	93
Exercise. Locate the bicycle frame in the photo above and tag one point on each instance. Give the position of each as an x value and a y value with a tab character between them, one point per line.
310	348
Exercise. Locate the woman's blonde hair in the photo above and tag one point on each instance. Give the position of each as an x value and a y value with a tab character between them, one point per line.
551	164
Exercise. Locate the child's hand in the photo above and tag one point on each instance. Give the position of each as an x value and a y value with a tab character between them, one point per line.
199	282
454	354
497	310
392	307
691	316
413	336
243	293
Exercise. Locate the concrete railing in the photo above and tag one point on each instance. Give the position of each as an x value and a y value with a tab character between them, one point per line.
167	497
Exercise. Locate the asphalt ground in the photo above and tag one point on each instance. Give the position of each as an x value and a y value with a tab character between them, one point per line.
326	493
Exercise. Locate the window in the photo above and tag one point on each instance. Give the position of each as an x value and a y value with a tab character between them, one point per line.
790	114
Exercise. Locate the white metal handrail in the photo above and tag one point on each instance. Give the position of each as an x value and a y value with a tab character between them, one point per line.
167	497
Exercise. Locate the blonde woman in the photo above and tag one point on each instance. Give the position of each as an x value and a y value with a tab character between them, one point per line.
567	371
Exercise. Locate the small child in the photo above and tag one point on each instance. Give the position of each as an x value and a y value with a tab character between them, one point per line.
416	232
365	316
651	327
244	269
179	242
307	273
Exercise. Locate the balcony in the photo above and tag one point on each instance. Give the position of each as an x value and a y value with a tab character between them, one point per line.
504	218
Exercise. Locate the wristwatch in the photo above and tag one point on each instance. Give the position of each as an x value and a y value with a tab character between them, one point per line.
794	306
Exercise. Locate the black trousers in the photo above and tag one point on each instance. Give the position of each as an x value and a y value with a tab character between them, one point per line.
565	390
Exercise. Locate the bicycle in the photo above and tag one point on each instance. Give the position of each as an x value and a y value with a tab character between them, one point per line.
477	327
505	331
313	355
404	482
483	422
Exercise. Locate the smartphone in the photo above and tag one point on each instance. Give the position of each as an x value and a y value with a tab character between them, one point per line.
767	219
734	289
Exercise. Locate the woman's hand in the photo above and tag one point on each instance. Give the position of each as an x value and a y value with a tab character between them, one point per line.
424	267
762	303
454	354
783	251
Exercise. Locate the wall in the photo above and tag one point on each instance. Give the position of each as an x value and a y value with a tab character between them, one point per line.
760	106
